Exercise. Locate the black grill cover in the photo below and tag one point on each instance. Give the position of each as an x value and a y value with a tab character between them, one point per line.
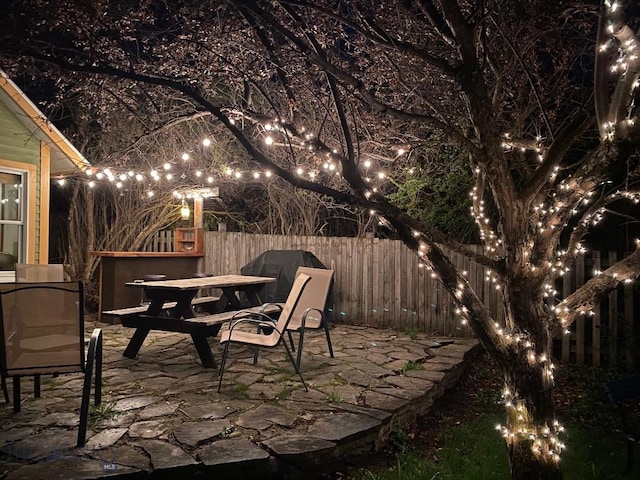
281	264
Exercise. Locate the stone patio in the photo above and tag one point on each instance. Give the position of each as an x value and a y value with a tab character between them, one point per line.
162	416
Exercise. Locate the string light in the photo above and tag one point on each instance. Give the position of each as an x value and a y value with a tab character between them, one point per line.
189	176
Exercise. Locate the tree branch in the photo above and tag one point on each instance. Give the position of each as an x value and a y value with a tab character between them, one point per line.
585	298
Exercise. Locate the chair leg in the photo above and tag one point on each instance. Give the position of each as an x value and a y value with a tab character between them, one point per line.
223	362
293	347
84	405
98	368
94	359
37	384
256	350
295	366
325	325
16	393
300	342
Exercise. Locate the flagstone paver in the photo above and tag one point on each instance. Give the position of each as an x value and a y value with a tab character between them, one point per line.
166	456
147	429
106	438
233	451
343	427
192	434
162	414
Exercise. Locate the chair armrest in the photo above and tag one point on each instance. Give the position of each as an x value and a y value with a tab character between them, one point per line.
306	313
264	306
264	321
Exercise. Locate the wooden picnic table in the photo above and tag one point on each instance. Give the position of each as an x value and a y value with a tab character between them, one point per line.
182	291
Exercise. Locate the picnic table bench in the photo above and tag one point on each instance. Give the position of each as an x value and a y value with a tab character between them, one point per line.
200	328
206	302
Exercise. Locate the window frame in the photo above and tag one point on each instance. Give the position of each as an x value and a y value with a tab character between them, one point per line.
27	244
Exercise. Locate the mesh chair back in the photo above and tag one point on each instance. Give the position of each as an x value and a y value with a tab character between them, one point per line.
316	294
293	299
32	272
42	327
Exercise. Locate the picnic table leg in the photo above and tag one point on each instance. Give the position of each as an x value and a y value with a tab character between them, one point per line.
203	349
158	297
252	295
136	342
232	300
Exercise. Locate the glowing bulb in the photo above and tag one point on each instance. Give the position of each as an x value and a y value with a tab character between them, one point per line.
185	213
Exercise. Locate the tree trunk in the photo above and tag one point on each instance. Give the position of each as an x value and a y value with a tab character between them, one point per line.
525	466
531	431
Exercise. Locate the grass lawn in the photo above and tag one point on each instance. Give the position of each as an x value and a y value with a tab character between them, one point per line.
458	439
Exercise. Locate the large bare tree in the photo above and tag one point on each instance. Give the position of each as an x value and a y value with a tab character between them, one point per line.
340	97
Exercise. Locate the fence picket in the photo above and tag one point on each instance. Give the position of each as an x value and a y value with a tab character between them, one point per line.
596	325
581	320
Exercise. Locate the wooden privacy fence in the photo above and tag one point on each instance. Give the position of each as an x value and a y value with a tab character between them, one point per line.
609	336
380	283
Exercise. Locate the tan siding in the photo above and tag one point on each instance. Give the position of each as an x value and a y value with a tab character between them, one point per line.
16	142
20	149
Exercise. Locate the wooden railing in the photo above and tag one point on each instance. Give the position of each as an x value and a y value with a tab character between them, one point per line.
162	241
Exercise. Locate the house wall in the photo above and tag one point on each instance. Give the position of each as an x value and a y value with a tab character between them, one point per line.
19	148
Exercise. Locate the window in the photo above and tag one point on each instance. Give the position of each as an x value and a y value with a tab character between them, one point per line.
12	220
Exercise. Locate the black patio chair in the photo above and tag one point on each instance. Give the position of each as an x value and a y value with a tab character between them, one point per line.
42	332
